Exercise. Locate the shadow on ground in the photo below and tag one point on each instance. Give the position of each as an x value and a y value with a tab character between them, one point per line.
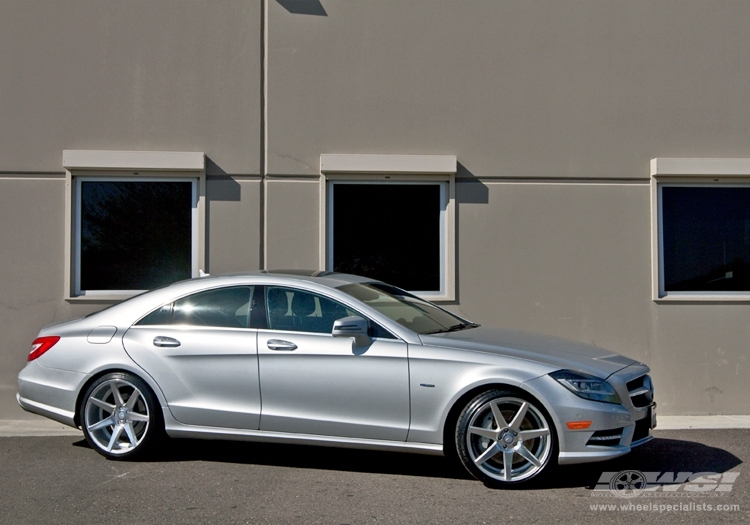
305	457
661	454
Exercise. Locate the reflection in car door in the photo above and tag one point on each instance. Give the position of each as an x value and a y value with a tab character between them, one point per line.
313	383
208	374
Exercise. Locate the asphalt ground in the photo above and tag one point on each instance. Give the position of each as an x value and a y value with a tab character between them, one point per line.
61	480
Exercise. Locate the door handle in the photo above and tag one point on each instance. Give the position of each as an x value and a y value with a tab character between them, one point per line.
280	344
168	342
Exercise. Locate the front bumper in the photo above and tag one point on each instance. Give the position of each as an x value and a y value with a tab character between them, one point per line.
614	429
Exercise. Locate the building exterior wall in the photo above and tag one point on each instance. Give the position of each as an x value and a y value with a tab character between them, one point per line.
553	109
142	75
98	75
234	224
32	239
530	89
292	222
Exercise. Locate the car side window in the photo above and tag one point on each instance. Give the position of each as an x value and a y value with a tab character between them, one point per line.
158	317
224	307
301	311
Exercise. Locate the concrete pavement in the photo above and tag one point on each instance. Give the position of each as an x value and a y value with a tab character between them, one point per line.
61	480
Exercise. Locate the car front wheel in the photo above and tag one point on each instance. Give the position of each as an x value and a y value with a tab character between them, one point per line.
503	438
120	416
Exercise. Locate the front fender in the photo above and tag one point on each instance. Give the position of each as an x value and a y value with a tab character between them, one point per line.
440	377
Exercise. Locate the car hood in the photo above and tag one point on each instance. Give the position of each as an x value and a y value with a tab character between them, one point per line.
554	351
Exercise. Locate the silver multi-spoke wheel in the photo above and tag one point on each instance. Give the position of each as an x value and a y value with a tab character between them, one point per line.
117	414
504	438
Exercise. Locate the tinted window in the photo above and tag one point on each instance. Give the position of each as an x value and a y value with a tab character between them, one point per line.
297	310
706	238
406	309
135	235
161	316
389	232
225	307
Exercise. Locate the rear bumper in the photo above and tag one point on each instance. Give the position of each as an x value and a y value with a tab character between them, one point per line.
49	392
59	415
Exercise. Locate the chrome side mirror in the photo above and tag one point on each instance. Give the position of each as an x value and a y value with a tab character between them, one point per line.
352	326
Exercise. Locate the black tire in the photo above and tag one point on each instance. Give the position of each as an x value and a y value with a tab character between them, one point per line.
524	437
121	417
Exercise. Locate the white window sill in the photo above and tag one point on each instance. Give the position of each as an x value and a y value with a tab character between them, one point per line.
708	297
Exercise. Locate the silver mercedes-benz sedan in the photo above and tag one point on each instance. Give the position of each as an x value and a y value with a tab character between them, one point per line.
339	360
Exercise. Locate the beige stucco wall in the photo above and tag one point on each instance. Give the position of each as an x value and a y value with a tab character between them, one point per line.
31	280
137	75
515	88
553	107
233	229
292	222
573	260
140	75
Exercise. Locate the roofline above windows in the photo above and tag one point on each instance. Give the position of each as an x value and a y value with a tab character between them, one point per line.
365	163
74	160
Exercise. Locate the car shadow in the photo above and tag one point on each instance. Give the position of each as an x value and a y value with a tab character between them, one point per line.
660	454
305	457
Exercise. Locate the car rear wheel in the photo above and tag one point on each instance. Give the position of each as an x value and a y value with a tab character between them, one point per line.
503	438
120	416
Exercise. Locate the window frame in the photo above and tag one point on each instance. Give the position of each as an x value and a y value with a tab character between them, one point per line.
294	289
76	241
689	172
157	166
394	169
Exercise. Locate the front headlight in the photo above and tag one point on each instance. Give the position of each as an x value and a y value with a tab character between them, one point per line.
586	386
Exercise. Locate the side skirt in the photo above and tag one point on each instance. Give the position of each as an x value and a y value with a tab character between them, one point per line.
178	430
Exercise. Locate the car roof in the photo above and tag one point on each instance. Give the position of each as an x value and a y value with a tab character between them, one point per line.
138	305
334	278
323	277
278	277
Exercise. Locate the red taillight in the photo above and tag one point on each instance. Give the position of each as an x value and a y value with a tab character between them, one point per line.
41	345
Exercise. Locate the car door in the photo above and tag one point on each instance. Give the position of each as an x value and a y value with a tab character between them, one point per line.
313	383
203	356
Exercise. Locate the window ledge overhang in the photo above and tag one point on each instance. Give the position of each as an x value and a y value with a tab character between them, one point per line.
358	163
74	160
700	166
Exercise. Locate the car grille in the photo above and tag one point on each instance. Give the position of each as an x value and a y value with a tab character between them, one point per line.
641	391
606	438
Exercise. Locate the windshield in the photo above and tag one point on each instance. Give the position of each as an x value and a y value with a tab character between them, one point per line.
406	309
